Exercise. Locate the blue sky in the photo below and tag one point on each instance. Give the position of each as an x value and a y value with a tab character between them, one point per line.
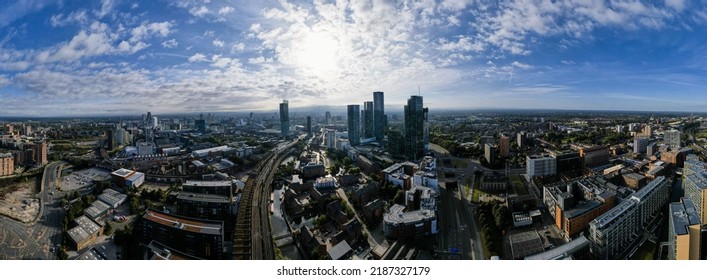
63	58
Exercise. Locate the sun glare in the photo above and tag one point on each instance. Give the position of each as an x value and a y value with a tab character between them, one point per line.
318	54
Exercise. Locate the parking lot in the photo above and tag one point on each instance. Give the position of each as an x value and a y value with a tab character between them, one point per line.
83	178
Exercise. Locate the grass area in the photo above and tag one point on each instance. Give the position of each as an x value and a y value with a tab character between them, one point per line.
477	193
645	252
460	163
519	185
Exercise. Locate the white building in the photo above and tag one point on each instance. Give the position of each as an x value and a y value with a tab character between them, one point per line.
540	165
672	138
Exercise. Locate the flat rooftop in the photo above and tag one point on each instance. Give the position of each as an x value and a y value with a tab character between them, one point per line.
683	215
608	217
203	197
183	223
123	172
396	215
87	224
207	183
582	208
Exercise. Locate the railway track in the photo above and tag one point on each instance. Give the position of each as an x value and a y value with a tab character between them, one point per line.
253	236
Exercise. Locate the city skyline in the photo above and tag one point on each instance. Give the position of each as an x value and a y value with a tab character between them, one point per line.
125	57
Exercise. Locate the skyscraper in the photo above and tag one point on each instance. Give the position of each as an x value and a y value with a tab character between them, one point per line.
367	117
110	139
415	117
354	122
327	118
504	145
148	119
309	125
379	118
284	118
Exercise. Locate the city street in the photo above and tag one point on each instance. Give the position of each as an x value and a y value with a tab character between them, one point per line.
24	241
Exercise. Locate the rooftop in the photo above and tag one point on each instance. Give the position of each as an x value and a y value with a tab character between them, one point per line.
123	172
616	212
396	215
683	215
203	197
340	250
183	223
87	225
208	183
112	197
90	255
563	251
582	208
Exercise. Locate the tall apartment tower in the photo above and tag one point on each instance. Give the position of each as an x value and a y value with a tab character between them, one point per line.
415	117
327	118
40	153
354	124
504	145
284	118
367	116
672	138
380	121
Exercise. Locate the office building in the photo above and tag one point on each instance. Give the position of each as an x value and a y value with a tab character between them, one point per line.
224	188
354	124
396	142
200	125
309	125
204	206
380	121
196	237
594	156
412	225
567	161
367	117
284	118
672	138
614	233
504	145
415	118
327	118
540	165
684	231
640	145
7	164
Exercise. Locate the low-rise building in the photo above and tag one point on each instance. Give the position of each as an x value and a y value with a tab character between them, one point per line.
404	226
113	198
634	180
84	233
98	210
127	178
204	206
224	188
325	183
540	165
526	243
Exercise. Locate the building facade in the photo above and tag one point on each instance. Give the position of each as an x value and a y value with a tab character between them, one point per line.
7	164
379	118
367	117
540	165
284	118
354	124
684	231
504	145
200	238
594	156
672	138
415	118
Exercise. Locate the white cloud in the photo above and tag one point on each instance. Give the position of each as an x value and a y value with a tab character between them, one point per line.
678	5
217	43
106	8
198	57
4	81
237	47
199	12
171	43
14	66
520	65
161	29
226	10
80	16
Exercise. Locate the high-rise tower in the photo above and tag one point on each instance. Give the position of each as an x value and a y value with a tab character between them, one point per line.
354	124
415	117
284	118
379	118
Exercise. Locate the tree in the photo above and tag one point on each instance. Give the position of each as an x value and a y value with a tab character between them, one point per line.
108	229
134	205
61	254
399	197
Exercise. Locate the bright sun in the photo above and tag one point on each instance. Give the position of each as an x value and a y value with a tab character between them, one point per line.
317	53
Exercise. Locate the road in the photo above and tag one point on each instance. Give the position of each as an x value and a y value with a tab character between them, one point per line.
35	240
